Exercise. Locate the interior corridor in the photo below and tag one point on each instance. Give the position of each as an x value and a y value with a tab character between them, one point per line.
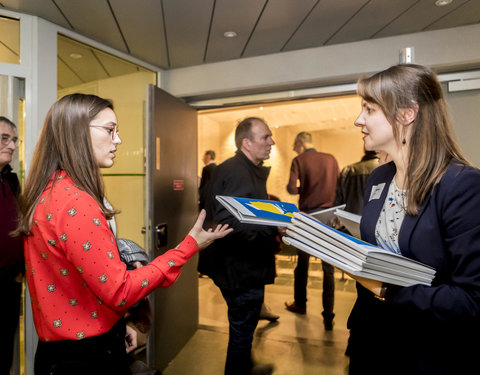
296	344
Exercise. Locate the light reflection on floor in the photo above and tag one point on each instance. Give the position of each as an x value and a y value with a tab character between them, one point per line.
297	344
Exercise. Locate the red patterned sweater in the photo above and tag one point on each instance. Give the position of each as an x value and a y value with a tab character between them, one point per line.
78	285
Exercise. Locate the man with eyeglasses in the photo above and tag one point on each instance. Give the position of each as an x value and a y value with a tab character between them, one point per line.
11	248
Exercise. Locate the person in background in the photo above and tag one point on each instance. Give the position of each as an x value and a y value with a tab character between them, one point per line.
209	162
317	173
11	248
352	181
244	262
424	205
80	288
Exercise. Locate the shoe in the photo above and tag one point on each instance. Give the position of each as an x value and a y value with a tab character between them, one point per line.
328	324
267	314
293	307
328	320
265	369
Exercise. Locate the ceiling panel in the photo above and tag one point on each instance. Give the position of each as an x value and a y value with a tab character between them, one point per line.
187	24
418	17
81	60
141	22
42	8
465	14
371	18
279	21
80	63
94	19
9	41
326	19
232	15
7	56
66	76
115	66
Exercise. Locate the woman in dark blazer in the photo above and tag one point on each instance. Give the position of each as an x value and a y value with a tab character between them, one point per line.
424	204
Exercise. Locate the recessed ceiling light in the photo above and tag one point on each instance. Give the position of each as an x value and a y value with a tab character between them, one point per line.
229	34
441	3
75	56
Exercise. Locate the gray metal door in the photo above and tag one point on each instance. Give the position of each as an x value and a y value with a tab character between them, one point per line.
172	205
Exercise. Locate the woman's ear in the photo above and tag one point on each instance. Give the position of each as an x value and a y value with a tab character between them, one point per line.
408	115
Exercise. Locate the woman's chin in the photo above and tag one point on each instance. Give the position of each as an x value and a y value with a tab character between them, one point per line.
106	164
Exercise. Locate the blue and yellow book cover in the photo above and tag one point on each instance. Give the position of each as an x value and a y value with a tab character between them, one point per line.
259	210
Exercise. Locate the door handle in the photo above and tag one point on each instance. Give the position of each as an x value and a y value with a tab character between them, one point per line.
161	230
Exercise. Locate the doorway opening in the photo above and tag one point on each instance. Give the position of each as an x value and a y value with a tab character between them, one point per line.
331	123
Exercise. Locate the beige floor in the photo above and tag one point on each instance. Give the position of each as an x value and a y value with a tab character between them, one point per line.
297	344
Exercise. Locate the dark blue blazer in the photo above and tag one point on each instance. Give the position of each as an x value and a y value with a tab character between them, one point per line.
420	329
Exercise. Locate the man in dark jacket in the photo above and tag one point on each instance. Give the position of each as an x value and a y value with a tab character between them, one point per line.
242	263
209	161
352	181
11	248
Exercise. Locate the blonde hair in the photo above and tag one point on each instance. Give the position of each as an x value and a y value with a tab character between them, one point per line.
65	144
432	145
304	137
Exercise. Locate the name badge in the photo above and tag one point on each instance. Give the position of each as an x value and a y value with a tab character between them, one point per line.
376	191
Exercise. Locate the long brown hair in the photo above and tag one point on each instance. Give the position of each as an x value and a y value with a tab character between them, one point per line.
65	144
432	144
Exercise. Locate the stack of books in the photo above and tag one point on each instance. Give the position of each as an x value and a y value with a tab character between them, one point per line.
354	256
309	233
350	221
268	212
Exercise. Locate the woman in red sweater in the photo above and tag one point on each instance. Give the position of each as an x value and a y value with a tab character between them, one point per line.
79	287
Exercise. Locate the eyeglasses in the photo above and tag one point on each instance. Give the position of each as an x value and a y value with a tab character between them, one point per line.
6	139
112	130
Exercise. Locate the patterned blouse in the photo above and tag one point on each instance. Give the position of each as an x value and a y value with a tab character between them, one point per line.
391	219
79	287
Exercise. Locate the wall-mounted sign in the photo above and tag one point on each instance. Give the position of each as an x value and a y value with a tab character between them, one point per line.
178	185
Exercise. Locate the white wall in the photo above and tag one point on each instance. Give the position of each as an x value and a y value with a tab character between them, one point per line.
442	49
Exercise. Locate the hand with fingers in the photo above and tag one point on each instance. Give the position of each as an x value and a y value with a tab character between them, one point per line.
130	339
203	237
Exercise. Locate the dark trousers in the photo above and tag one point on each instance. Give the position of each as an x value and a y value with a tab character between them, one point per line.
99	355
9	316
301	280
243	314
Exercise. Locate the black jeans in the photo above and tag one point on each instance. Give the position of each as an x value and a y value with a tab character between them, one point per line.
99	355
243	314
9	316
301	280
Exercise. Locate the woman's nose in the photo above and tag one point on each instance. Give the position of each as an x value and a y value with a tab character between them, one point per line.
359	121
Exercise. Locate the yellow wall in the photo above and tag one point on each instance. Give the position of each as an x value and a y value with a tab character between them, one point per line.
343	141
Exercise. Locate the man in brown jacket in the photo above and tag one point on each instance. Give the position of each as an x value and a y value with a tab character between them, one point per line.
313	175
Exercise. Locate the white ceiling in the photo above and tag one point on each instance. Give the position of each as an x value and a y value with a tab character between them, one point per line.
179	33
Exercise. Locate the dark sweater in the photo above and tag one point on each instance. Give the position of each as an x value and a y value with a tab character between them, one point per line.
11	248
